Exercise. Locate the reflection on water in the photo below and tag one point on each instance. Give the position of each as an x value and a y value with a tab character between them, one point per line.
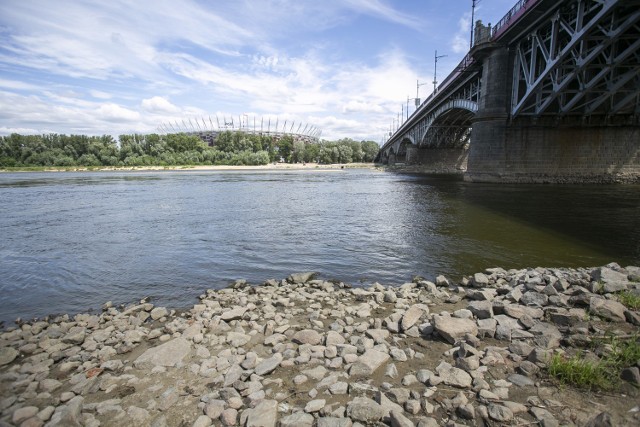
72	241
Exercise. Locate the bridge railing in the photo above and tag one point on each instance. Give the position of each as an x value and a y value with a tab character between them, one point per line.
459	69
512	16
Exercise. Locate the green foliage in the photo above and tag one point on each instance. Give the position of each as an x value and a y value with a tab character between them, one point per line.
580	372
629	299
230	148
602	373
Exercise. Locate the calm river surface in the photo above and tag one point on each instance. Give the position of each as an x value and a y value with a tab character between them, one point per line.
72	241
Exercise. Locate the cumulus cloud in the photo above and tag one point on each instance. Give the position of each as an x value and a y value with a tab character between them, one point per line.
112	66
115	113
362	107
100	94
159	105
460	41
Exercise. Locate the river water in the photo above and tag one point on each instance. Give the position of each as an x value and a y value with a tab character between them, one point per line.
72	241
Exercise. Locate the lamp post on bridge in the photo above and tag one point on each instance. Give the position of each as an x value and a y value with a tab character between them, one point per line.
473	10
418	84
435	71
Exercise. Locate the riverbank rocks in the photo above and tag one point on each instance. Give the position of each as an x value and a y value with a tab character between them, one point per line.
309	352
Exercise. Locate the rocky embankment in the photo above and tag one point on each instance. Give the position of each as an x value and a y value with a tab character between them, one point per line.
304	352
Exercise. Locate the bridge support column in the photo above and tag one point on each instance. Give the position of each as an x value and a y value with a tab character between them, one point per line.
438	160
488	136
546	149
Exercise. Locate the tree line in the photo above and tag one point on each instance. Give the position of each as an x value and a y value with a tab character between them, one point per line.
229	148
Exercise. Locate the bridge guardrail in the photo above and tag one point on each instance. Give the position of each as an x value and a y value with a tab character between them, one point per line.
513	15
459	69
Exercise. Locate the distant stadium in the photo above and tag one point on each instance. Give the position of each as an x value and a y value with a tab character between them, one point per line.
209	128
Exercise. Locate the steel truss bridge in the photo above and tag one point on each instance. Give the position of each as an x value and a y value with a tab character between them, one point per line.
560	63
208	128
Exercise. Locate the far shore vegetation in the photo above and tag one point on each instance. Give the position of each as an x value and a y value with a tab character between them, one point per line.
230	148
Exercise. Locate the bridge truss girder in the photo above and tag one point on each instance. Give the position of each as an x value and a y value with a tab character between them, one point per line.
584	60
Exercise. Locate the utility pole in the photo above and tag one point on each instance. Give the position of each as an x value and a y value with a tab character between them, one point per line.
435	71
473	9
418	84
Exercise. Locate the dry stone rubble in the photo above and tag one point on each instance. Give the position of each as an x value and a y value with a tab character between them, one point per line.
309	352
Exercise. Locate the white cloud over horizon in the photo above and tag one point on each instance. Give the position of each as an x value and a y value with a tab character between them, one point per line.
346	67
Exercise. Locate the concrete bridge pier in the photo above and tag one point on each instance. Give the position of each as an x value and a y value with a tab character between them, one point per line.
487	160
596	149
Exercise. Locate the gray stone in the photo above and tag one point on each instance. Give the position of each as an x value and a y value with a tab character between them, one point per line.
229	417
545	417
76	335
314	405
234	314
390	296
607	275
237	339
301	277
298	419
399	420
607	309
520	380
378	335
500	413
71	415
453	376
631	375
398	355
365	410
268	365
339	387
333	338
168	354
21	414
534	298
428	422
480	280
334	422
452	329
603	419
158	313
481	309
487	327
265	414
137	415
214	408
368	363
7	355
546	335
412	315
307	336
518	311
202	421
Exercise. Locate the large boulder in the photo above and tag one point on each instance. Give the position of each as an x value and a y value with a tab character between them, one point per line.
607	309
368	363
453	328
168	354
365	410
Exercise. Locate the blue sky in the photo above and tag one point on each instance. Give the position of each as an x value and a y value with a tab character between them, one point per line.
114	67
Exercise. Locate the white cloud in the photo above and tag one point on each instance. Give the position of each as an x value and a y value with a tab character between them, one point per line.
361	107
159	105
100	94
460	41
17	85
115	113
383	11
4	130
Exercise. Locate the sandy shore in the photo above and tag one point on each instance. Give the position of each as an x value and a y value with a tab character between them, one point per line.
268	167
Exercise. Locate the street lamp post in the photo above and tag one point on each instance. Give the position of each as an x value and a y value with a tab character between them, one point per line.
418	84
435	71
